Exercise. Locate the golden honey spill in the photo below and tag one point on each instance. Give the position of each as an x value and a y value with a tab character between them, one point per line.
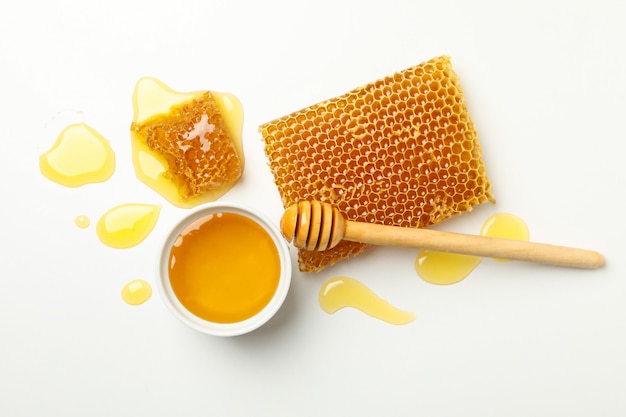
79	156
444	268
127	225
213	166
450	268
82	221
341	292
136	292
506	226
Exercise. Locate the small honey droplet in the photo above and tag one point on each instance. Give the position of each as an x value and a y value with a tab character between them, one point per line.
136	292
79	156
82	221
127	225
341	292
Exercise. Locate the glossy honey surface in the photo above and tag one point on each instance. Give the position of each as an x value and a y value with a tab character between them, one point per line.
224	268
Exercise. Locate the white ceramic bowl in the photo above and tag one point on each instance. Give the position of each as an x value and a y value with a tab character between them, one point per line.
224	329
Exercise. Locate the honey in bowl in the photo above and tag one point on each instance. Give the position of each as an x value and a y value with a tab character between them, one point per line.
224	270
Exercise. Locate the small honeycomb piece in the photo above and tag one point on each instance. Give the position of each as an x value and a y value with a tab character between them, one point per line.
195	142
399	151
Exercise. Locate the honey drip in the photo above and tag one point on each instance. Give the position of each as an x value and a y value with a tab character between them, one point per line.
211	167
79	156
82	221
136	292
341	292
127	225
450	268
224	268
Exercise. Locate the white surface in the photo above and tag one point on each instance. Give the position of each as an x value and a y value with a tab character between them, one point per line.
545	82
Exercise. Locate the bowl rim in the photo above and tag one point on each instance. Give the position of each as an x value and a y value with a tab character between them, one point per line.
223	329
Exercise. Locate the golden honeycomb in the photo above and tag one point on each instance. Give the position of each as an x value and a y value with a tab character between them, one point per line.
399	151
195	142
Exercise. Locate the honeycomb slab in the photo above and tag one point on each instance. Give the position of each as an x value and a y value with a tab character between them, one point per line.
400	151
186	146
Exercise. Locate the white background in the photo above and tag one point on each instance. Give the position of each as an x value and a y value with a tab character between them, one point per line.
545	82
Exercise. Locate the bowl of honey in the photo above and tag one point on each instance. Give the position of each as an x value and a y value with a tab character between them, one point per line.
224	269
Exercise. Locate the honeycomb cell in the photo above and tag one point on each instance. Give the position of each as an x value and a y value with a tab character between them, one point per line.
399	151
398	216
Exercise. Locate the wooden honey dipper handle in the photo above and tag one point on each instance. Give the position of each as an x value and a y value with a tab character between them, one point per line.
313	225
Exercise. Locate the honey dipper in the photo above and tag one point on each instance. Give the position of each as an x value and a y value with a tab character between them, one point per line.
313	225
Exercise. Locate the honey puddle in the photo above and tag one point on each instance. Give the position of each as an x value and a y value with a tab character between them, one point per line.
341	292
136	292
506	226
153	98
82	221
79	156
449	268
127	225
